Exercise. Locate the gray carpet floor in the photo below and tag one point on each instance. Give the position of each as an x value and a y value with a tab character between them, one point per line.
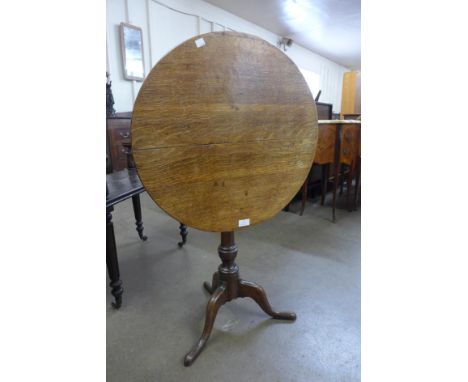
306	264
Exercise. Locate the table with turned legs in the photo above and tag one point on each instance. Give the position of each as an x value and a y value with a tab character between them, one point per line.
120	186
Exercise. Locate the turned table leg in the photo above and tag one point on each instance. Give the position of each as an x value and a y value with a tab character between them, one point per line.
342	178
324	183
138	218
349	184
336	169
183	234
335	186
112	261
304	196
358	183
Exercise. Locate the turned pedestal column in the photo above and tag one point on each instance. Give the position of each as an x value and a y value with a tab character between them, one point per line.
226	286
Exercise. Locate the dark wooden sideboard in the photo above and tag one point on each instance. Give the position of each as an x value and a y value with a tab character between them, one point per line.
118	138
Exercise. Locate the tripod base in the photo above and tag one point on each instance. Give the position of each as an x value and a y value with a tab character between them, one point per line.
227	286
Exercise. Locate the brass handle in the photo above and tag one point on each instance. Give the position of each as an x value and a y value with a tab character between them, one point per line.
125	135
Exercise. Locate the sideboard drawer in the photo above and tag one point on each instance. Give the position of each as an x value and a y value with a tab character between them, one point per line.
120	134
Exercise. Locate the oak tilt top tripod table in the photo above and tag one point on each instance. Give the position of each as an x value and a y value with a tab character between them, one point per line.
224	131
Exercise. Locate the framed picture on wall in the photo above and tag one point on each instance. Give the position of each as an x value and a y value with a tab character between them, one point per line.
131	38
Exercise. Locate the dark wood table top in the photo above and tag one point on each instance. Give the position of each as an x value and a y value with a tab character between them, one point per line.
224	131
122	185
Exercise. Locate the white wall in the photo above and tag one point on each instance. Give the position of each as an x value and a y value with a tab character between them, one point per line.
163	29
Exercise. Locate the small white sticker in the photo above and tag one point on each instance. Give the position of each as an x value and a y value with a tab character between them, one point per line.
244	222
200	42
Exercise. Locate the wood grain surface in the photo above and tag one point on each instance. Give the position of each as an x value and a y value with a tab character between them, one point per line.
224	132
349	141
325	152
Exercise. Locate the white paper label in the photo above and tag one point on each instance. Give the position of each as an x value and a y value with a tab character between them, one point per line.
244	222
200	42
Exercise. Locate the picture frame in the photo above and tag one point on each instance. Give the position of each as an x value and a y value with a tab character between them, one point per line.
131	38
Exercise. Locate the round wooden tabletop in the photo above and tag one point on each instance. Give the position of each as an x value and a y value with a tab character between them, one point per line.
224	131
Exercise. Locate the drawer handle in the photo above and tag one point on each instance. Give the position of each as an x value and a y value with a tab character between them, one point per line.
125	135
126	151
346	151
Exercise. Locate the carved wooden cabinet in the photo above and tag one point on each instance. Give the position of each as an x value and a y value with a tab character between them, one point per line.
118	139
